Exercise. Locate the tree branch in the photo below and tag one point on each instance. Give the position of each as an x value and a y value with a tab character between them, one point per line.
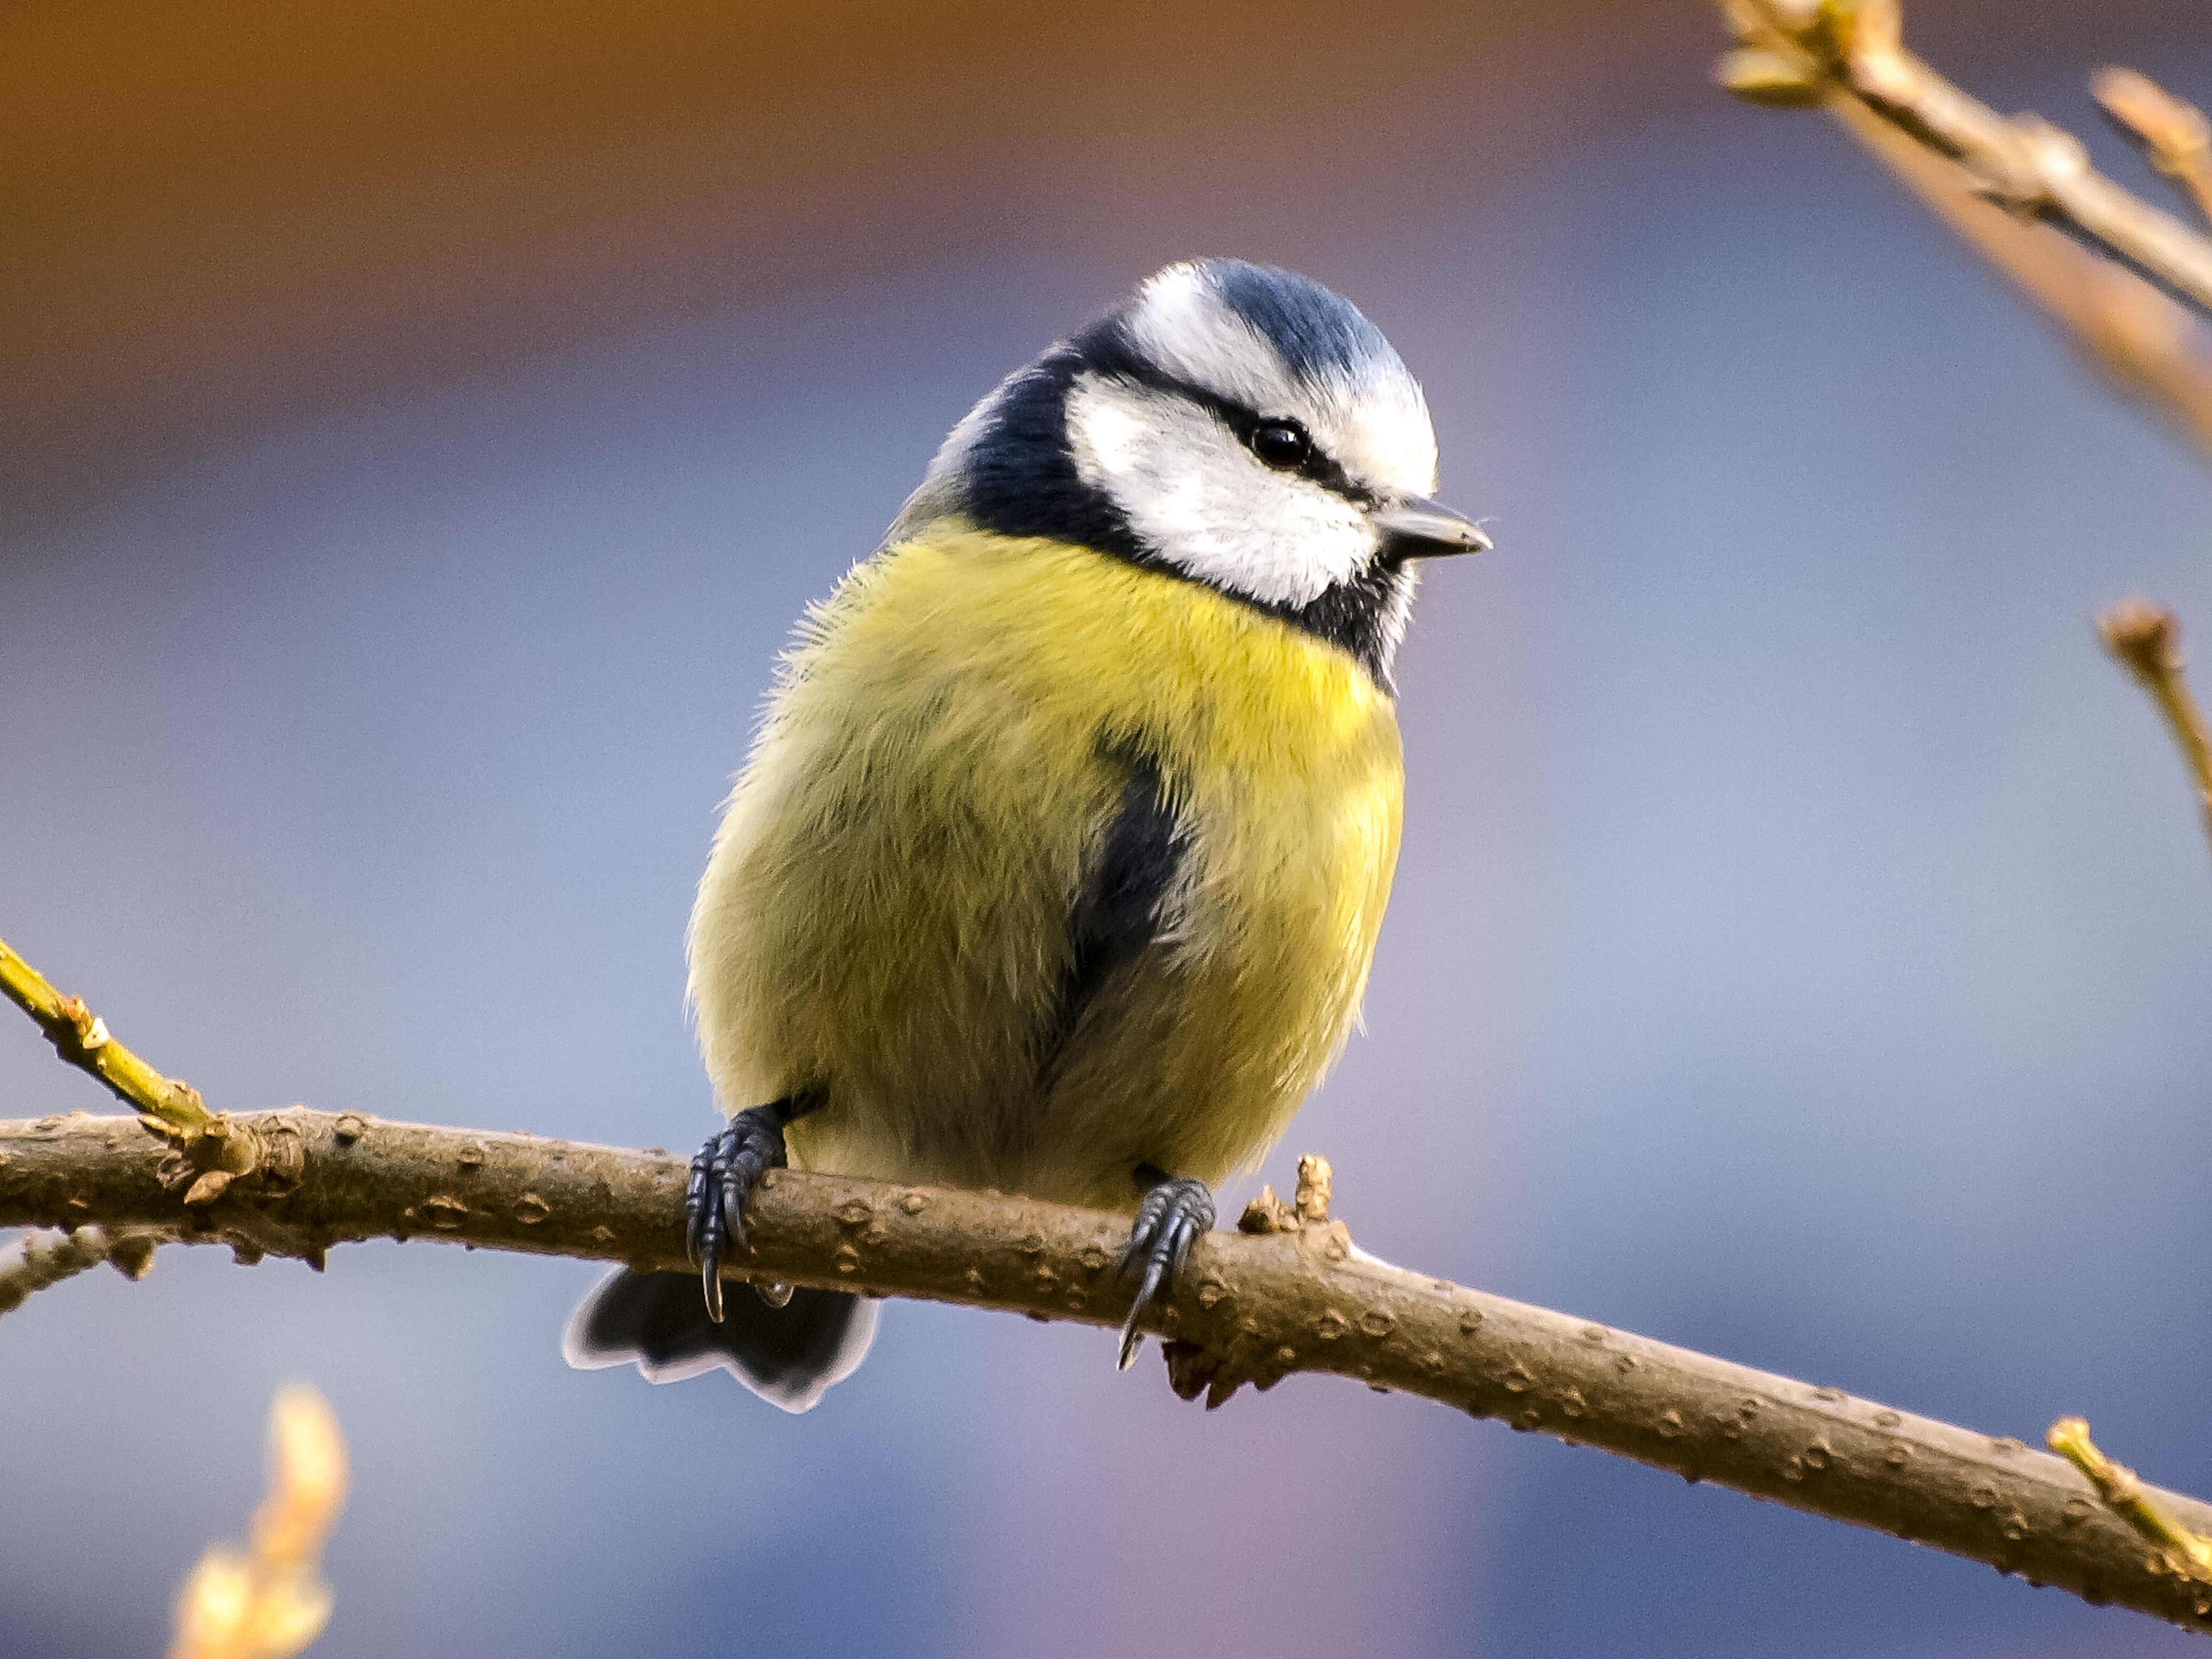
2145	638
40	1261
2018	189
2171	133
1800	51
81	1037
1289	1295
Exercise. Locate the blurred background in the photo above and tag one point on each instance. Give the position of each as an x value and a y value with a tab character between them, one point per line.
419	426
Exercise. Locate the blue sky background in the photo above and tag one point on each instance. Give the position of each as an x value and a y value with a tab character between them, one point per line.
1800	950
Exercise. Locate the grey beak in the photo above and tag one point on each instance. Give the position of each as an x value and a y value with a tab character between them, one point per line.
1416	527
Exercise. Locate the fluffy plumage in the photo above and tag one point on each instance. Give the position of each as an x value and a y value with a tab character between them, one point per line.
886	914
1062	849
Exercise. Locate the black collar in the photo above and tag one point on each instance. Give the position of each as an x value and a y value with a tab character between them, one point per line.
1019	478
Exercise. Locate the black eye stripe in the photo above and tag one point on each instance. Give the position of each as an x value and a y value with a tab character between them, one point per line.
1315	465
1318	465
1114	358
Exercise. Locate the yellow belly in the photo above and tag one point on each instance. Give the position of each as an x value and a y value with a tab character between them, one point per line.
885	917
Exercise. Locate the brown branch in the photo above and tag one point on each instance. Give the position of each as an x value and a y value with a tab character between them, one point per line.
2010	185
1852	47
2145	641
41	1260
2173	135
1286	1293
1290	1295
2147	346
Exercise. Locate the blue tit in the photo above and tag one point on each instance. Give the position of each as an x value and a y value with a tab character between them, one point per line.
1058	859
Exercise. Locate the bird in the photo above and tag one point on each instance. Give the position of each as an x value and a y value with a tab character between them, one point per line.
1058	862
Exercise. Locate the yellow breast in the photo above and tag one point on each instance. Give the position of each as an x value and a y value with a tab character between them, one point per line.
885	913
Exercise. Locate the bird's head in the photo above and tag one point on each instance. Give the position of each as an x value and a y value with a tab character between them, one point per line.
1232	424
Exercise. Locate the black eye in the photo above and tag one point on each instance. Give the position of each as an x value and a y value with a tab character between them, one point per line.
1281	443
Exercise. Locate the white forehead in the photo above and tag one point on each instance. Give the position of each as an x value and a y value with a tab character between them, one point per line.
1371	417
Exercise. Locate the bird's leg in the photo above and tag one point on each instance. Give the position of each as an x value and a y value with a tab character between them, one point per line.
723	1176
1176	1211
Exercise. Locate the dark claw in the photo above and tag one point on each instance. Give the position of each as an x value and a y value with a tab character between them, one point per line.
1174	1212
703	1228
723	1176
694	1190
710	1285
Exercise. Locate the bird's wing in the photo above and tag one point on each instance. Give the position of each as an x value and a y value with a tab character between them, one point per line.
1118	911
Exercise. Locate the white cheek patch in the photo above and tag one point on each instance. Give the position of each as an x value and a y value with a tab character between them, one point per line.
1203	502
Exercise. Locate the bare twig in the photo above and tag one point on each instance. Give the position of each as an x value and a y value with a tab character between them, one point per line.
1253	1307
2188	1554
268	1601
2147	345
2145	639
2003	184
209	1151
1852	47
2172	134
42	1259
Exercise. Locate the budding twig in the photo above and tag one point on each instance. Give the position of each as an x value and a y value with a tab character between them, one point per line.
2173	134
2010	185
210	1150
2189	1554
2146	640
1808	51
81	1037
268	1601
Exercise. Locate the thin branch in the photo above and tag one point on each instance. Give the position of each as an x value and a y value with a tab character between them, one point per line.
1291	1295
2171	133
2004	183
208	1151
42	1259
2147	346
2188	1554
2146	640
81	1037
1852	47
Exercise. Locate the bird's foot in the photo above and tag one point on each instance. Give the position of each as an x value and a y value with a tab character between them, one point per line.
723	1177
1176	1210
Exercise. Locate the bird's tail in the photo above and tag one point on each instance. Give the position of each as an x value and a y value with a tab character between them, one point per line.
788	1355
